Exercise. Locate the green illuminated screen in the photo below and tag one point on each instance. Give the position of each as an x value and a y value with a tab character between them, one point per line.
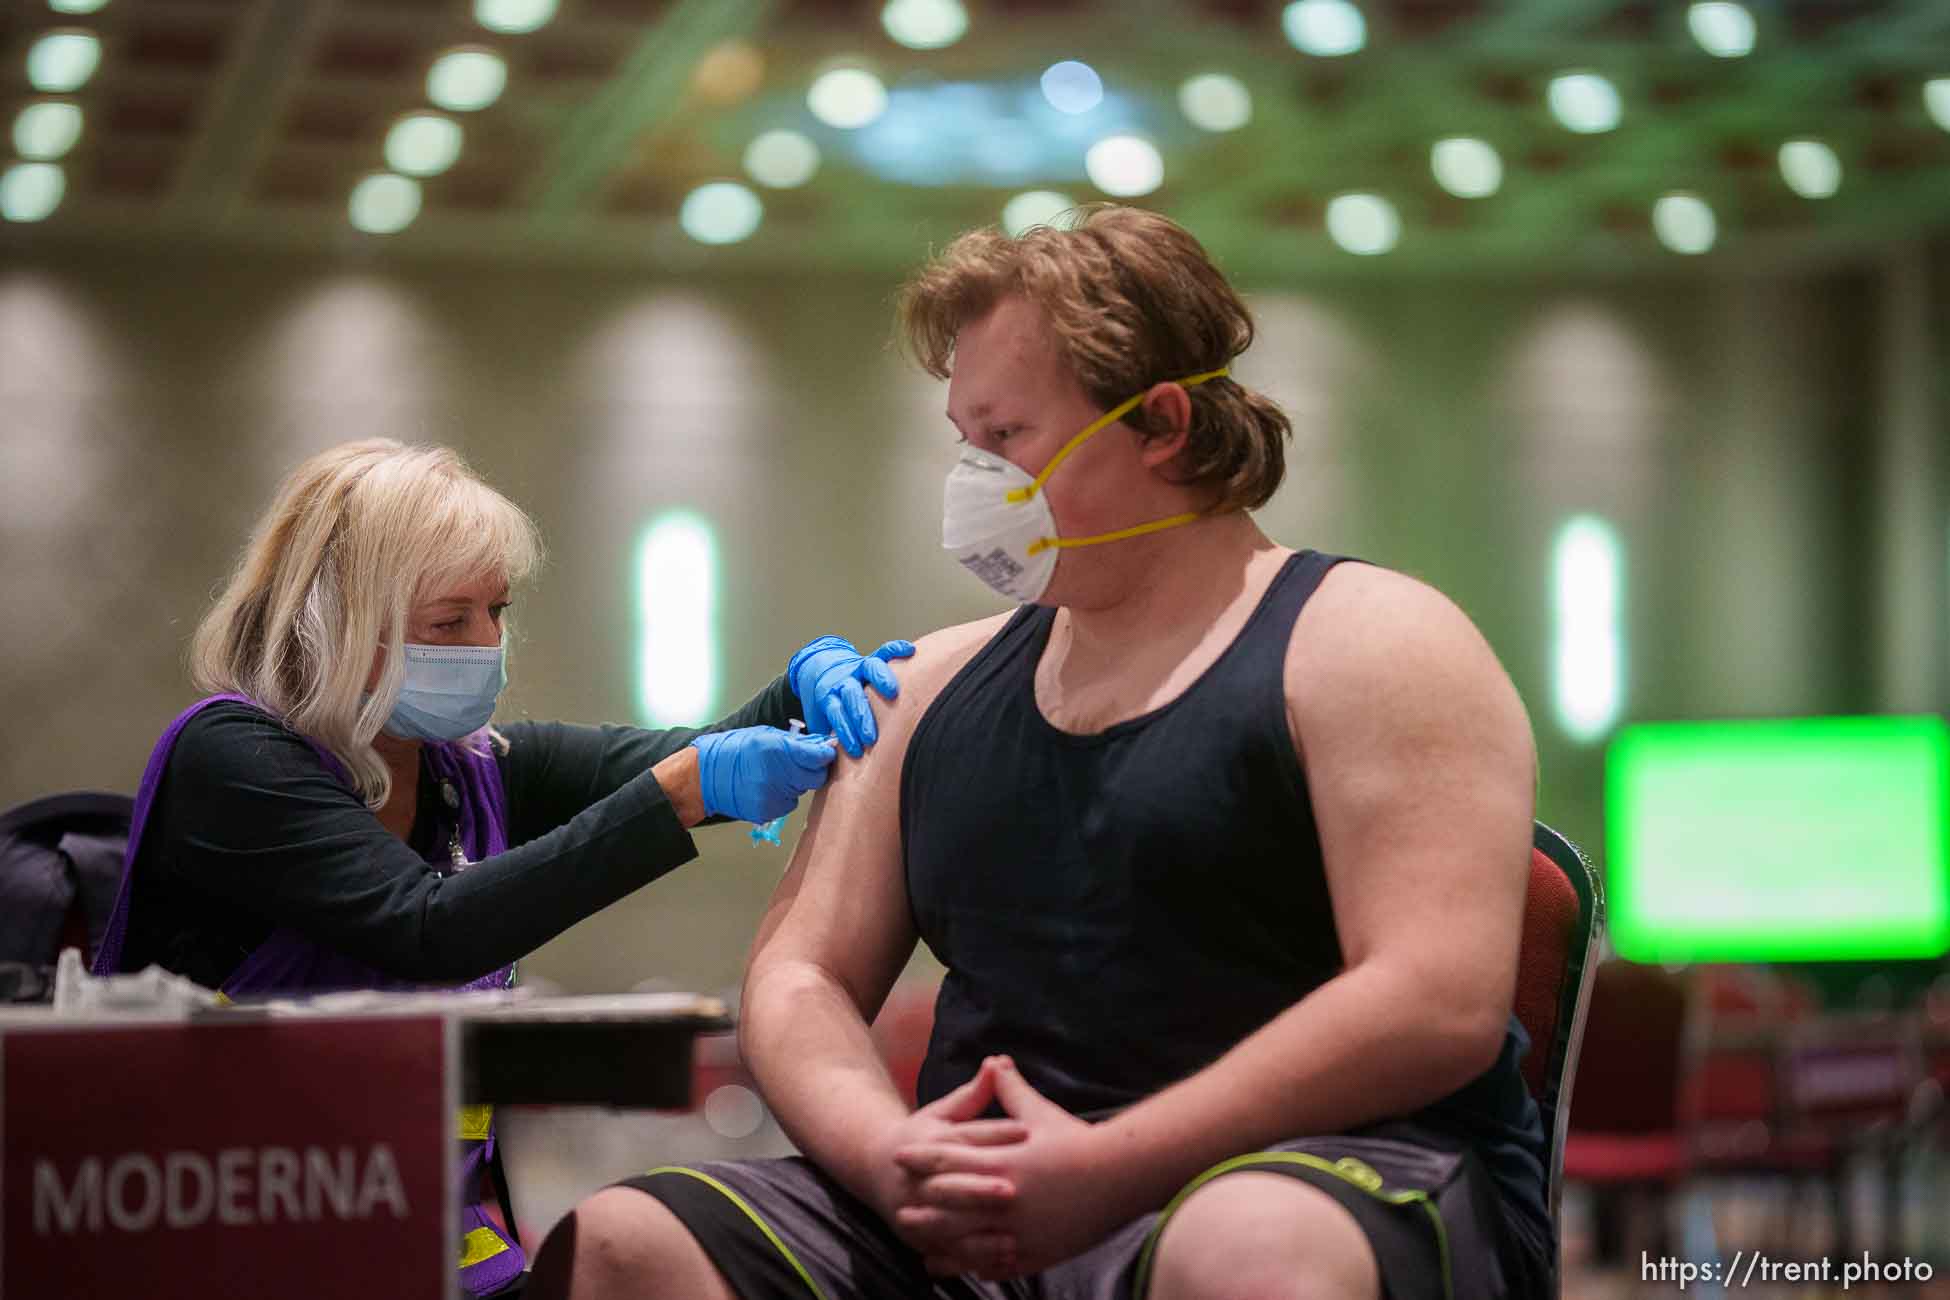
1809	839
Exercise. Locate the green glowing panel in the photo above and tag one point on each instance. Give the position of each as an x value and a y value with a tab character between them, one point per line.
1810	839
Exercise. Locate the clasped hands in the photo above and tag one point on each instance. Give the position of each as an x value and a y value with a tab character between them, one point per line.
994	1197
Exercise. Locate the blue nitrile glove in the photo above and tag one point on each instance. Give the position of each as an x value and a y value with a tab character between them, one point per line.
827	674
758	773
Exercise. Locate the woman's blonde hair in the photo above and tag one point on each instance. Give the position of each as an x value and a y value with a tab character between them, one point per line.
353	538
1130	299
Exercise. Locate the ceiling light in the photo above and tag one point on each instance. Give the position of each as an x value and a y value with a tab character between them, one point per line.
1034	208
1216	102
45	131
1009	154
29	191
513	17
1365	224
720	212
384	204
1584	102
1723	29
925	24
463	81
423	144
63	61
76	6
847	98
781	159
1810	168
999	134
1468	168
1124	165
1684	223
1324	27
1936	101
1072	87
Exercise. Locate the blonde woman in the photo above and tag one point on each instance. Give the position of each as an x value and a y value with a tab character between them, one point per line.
337	812
344	787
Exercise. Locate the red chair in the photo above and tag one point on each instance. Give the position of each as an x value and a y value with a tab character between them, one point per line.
1564	918
1734	1111
1849	1086
1625	1141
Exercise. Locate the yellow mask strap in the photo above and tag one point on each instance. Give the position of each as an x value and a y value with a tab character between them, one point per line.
1156	525
1110	417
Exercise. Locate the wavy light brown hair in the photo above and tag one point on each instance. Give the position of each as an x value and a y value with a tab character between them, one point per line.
1130	299
354	536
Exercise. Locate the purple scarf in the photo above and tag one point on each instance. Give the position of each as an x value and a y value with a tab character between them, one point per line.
289	962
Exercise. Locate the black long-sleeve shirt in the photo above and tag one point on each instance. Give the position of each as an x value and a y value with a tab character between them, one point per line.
251	832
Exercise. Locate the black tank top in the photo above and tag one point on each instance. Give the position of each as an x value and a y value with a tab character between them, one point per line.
1116	910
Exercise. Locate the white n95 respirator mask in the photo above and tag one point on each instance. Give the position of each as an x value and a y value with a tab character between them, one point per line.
1003	542
997	523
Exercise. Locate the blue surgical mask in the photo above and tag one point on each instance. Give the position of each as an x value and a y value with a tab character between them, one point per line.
448	691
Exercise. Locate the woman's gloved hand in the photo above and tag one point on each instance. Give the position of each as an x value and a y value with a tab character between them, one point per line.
827	676
758	773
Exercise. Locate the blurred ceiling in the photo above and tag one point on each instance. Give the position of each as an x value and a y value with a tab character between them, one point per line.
248	123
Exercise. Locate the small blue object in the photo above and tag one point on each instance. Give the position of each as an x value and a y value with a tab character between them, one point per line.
769	832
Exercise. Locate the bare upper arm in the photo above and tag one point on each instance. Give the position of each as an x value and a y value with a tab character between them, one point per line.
1422	772
842	904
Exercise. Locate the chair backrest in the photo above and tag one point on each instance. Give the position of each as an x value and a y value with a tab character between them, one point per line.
1632	1051
60	858
1564	919
1730	1102
60	867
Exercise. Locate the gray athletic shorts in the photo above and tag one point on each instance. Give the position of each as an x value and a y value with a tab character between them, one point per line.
782	1230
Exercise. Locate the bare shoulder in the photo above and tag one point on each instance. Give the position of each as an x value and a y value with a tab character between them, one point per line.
1378	651
938	656
1361	608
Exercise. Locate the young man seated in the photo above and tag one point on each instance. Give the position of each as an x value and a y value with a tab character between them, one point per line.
1224	847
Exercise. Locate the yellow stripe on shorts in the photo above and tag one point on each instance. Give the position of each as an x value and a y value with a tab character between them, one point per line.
1357	1173
753	1215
